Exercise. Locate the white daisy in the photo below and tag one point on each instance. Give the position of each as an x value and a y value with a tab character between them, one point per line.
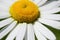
23	19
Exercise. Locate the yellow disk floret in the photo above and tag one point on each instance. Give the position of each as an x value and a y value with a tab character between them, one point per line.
24	11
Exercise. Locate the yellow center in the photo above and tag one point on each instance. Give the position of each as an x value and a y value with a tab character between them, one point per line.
24	11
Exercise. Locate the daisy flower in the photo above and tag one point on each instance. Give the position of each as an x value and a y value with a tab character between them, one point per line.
23	19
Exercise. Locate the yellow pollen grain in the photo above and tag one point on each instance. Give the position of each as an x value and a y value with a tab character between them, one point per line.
24	11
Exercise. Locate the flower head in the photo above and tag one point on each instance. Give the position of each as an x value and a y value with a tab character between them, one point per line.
23	19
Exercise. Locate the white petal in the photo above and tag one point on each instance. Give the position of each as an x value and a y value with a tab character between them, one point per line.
8	29
36	1
4	11
5	22
3	7
54	24
42	2
51	16
38	33
30	32
50	6
25	38
39	2
13	34
55	10
45	31
8	3
21	32
4	14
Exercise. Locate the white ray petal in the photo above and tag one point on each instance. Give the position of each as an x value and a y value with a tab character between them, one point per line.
5	22
8	3
30	32
8	29
44	31
21	32
4	14
39	2
52	23
4	7
25	38
50	6
35	1
51	16
4	11
42	2
38	34
13	34
55	10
